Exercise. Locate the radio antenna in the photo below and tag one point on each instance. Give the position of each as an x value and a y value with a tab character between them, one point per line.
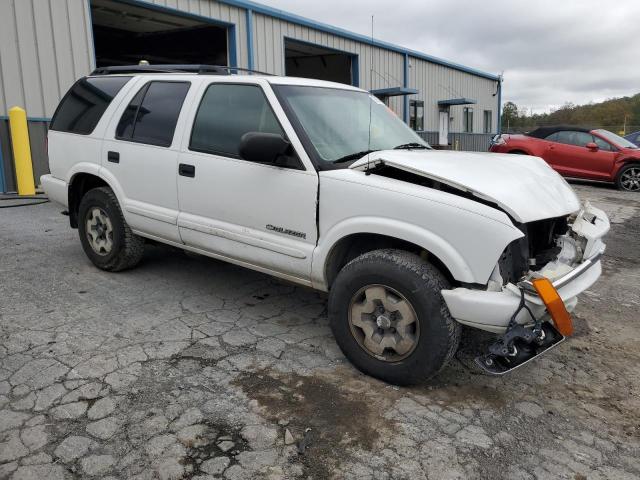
370	101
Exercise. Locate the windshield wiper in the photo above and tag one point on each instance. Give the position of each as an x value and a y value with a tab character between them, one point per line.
353	156
410	146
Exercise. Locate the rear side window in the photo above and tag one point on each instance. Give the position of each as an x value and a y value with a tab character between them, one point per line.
152	115
226	113
82	107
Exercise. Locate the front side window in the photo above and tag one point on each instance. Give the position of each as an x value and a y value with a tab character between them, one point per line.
487	121
342	126
416	115
602	145
467	120
152	115
85	103
226	113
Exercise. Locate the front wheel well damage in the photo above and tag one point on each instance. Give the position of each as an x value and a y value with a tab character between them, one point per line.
352	246
80	184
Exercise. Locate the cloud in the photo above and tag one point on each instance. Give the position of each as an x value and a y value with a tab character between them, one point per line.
551	51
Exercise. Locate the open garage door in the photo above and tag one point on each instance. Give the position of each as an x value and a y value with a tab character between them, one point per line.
125	34
314	61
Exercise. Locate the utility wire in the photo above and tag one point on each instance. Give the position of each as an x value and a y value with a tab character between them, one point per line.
40	200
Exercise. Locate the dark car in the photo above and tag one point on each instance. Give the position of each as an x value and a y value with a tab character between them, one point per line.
634	138
592	154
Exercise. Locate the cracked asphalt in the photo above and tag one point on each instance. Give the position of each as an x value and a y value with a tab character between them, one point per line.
186	367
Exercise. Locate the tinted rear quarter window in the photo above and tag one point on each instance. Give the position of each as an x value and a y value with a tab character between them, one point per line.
152	115
85	103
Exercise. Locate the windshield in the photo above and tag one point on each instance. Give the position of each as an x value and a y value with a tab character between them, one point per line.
344	125
615	139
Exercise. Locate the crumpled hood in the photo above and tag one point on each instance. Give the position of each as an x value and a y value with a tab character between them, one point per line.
525	187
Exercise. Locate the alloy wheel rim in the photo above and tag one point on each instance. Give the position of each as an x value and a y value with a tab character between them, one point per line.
384	323
99	231
631	179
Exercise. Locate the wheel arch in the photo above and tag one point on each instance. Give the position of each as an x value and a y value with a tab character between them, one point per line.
80	182
336	249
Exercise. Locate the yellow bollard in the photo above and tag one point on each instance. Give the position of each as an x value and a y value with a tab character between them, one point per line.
21	151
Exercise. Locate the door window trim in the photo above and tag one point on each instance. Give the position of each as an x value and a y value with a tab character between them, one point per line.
145	87
298	160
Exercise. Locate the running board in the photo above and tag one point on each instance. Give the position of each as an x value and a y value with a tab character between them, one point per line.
522	353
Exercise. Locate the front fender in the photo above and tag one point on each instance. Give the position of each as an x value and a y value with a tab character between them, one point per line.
431	242
462	267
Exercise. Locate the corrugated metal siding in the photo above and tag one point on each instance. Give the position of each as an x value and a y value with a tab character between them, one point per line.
45	45
269	35
438	82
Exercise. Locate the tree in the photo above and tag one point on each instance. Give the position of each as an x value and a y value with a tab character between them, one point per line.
509	115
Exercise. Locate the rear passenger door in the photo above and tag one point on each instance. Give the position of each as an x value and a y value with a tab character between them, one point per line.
140	153
257	214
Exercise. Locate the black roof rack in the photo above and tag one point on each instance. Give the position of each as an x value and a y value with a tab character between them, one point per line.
199	69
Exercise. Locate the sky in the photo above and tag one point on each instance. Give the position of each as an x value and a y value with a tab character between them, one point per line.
550	52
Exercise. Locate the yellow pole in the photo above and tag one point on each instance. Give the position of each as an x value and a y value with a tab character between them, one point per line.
21	151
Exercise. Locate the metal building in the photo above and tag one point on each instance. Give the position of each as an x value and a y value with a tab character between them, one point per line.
45	45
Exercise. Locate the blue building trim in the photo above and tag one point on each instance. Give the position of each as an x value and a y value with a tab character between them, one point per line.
29	119
457	101
394	91
500	105
93	42
232	45
405	84
250	39
289	17
355	71
3	185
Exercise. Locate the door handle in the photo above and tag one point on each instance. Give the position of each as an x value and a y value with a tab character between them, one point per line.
113	157
186	170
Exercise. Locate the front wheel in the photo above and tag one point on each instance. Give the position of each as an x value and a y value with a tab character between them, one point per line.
105	236
629	178
389	318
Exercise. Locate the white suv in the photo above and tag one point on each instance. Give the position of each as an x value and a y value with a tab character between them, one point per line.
321	184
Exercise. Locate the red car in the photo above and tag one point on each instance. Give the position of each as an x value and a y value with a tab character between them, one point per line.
579	153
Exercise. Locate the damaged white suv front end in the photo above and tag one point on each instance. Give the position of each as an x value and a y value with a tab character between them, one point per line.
511	304
550	252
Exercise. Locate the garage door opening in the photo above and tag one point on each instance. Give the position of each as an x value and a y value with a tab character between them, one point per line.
125	34
313	61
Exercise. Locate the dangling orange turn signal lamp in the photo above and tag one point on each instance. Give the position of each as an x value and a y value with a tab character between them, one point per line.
555	306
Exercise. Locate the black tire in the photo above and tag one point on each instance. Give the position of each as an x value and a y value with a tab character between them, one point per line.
127	248
420	283
623	175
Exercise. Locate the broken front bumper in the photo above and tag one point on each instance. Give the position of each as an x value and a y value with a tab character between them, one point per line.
492	310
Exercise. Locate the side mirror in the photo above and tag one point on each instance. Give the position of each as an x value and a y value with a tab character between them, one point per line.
264	148
592	146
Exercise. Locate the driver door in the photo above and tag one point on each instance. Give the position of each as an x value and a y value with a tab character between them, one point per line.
256	214
569	155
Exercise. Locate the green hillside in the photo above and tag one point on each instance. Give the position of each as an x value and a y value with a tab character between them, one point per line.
616	114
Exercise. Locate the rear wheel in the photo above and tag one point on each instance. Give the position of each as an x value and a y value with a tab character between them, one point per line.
389	318
105	236
629	178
